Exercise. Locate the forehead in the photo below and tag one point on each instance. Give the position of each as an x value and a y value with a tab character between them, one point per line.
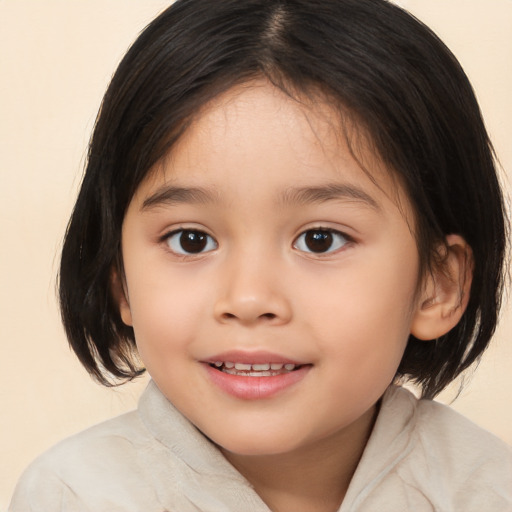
255	131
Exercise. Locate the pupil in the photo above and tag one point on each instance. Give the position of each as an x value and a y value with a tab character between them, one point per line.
193	241
318	241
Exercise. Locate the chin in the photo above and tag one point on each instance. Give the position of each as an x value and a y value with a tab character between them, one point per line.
261	443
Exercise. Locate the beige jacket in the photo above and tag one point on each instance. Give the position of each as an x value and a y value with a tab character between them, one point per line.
421	456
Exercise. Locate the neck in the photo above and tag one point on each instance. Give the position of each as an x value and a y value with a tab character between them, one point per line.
314	477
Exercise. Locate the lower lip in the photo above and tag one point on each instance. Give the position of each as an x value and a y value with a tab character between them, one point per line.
255	388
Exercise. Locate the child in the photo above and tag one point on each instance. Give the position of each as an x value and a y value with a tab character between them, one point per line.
289	207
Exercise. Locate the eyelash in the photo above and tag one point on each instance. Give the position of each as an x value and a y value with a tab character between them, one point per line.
206	243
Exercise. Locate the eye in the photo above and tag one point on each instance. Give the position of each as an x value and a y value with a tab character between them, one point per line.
320	241
190	241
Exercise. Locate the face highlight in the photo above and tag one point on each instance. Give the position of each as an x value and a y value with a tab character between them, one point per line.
270	283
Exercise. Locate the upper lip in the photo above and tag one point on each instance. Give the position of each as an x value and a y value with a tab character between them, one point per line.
251	357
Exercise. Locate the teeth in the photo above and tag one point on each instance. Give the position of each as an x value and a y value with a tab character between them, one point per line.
242	366
251	374
261	367
260	370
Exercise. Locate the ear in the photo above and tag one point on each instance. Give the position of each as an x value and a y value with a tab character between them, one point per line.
445	292
120	295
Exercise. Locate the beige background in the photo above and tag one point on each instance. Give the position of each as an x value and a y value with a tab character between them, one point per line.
56	58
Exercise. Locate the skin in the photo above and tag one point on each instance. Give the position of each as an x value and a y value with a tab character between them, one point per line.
346	312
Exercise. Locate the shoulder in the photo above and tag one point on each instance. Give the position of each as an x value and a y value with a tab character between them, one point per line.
152	459
458	441
72	475
113	441
452	458
423	456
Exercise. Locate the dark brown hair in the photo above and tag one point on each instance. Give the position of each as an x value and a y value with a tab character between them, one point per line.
383	67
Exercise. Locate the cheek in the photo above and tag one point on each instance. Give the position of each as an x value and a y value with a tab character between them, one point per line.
364	315
166	313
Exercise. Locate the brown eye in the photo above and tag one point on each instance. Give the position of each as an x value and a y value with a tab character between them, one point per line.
320	241
190	241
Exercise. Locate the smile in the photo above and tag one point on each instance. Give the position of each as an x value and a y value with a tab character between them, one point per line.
254	370
249	380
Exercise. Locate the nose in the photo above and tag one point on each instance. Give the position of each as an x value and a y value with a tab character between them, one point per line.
251	292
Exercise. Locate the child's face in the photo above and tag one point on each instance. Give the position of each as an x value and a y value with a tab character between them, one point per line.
260	240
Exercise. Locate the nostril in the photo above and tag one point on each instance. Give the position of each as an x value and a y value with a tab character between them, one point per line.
265	316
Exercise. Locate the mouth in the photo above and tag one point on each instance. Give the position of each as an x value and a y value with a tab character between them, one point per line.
255	369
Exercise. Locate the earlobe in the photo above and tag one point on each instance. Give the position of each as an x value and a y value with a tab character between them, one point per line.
120	295
445	292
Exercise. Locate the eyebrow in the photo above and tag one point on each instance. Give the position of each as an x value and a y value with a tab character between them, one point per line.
173	195
329	192
170	195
